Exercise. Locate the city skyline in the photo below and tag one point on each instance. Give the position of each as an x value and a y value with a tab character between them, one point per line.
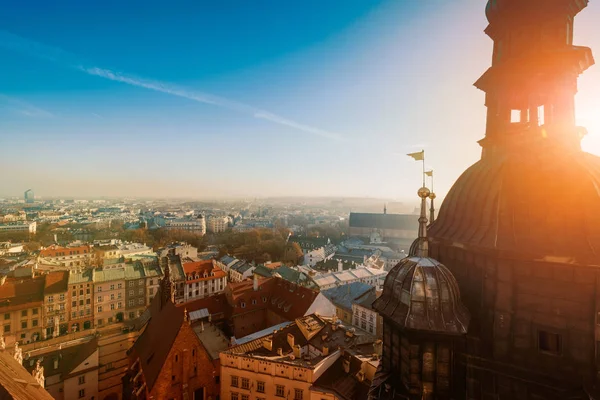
263	101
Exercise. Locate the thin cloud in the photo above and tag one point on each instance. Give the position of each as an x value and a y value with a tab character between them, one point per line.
24	108
38	50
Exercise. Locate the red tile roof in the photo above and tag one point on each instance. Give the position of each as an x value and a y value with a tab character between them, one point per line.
58	251
18	294
200	268
284	298
56	282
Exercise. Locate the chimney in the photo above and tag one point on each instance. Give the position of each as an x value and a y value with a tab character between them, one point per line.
297	351
279	351
268	344
255	283
56	363
325	350
340	266
290	340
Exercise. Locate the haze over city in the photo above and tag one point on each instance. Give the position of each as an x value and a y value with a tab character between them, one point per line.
265	99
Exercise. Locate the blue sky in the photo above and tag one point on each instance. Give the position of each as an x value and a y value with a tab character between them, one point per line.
238	98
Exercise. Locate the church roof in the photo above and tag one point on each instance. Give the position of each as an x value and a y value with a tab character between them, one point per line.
537	205
383	221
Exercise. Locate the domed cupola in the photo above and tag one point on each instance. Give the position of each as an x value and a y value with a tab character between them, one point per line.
420	293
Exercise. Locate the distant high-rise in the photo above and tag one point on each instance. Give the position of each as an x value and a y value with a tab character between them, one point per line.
29	196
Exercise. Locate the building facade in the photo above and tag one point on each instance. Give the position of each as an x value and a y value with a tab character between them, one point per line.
21	309
77	256
217	224
57	307
81	299
135	290
109	296
203	278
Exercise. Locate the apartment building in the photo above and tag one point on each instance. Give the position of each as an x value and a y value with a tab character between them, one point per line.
56	304
77	256
21	309
80	297
109	295
286	363
203	278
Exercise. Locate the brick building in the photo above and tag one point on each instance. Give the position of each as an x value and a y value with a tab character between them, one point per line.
262	302
174	358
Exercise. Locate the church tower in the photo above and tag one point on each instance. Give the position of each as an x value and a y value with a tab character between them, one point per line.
520	229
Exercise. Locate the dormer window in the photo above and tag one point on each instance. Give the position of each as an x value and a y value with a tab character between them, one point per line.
243	304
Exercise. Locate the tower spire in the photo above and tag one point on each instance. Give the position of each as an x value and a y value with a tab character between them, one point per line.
384	208
423	247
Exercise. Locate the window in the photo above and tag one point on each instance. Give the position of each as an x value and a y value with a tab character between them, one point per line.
515	116
6	316
279	390
34	311
81	379
81	292
298	394
80	302
141	301
119	305
234	396
119	295
131	303
234	381
131	283
99	308
81	393
110	320
141	291
119	286
100	322
74	304
23	324
260	386
245	397
549	342
50	299
141	282
112	287
34	323
87	291
112	296
131	292
74	314
50	308
131	315
87	301
151	291
61	307
243	304
245	383
541	117
61	297
99	289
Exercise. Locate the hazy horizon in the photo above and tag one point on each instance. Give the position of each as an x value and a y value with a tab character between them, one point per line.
245	100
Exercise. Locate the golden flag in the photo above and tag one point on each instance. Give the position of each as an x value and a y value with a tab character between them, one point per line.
420	156
429	173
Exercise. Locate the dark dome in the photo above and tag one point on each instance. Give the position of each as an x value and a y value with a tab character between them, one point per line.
422	294
535	204
491	9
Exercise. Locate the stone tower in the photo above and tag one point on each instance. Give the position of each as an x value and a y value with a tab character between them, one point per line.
520	229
